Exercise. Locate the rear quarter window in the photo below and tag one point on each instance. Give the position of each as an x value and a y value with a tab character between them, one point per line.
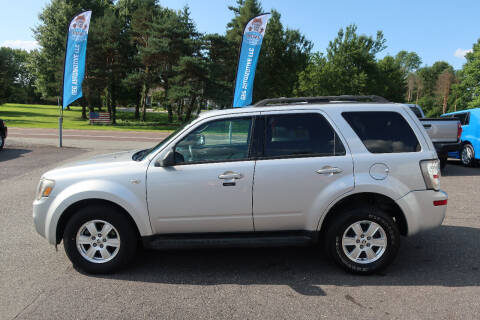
464	118
383	131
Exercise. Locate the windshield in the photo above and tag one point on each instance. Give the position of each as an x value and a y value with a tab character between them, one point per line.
139	156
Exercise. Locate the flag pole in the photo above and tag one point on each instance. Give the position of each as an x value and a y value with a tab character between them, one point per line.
75	51
60	123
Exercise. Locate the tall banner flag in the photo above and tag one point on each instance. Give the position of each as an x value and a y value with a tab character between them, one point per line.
247	62
75	54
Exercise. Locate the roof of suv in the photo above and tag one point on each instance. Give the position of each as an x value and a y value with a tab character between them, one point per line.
299	106
306	103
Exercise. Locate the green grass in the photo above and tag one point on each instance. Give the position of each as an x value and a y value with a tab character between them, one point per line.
46	116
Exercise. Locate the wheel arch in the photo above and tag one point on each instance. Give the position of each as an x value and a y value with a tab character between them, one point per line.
369	198
74	207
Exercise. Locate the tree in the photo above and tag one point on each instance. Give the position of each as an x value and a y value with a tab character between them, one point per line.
221	57
444	84
16	78
409	61
108	61
141	25
189	77
349	67
313	80
244	12
284	54
411	82
468	90
391	82
427	87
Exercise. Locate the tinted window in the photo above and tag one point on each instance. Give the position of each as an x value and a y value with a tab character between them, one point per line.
300	135
416	111
383	132
221	140
463	117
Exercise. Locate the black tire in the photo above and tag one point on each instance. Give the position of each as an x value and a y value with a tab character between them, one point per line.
443	162
126	231
2	142
467	155
337	228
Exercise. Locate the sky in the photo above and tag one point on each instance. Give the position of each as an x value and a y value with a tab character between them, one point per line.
435	29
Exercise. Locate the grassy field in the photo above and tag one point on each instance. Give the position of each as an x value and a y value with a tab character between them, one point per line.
46	116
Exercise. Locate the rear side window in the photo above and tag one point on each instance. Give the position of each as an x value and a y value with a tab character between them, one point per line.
296	135
383	132
464	118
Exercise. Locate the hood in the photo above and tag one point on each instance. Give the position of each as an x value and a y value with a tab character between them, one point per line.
110	157
99	165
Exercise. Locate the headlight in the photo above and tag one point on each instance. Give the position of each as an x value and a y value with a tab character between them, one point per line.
45	187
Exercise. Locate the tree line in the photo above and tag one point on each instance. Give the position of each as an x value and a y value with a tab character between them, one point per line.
139	51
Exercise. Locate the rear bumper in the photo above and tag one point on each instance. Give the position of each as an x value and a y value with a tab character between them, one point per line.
420	212
444	148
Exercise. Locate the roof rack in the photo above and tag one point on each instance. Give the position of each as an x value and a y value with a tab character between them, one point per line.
318	100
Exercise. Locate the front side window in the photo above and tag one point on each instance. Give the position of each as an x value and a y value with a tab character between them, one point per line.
216	141
305	134
383	131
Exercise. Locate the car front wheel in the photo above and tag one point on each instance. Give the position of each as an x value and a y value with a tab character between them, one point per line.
99	239
363	240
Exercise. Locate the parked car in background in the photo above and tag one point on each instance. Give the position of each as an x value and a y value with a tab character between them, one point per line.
3	133
350	176
469	152
444	132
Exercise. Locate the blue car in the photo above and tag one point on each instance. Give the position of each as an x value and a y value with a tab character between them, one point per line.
470	120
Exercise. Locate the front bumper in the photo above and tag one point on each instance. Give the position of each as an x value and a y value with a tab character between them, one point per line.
420	212
40	209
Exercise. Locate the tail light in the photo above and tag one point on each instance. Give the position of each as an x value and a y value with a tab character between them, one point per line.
459	131
437	203
431	173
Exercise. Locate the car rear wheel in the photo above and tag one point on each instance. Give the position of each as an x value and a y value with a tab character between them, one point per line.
363	240
467	155
443	162
2	142
99	239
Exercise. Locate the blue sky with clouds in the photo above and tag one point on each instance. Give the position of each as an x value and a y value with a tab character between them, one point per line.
435	29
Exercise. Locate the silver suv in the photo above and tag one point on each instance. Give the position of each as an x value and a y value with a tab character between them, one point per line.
349	176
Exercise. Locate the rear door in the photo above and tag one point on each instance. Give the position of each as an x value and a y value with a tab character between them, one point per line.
302	164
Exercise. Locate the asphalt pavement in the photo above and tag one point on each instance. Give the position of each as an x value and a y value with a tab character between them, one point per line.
435	276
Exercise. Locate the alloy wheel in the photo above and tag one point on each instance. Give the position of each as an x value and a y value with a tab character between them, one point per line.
467	154
98	241
364	242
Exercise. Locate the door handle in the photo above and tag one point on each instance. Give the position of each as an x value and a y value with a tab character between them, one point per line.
230	175
329	170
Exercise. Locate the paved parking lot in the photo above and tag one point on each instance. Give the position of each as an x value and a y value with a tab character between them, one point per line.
436	275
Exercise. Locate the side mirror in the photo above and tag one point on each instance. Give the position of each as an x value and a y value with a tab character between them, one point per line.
168	160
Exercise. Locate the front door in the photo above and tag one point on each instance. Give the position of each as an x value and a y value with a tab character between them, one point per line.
210	187
303	166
